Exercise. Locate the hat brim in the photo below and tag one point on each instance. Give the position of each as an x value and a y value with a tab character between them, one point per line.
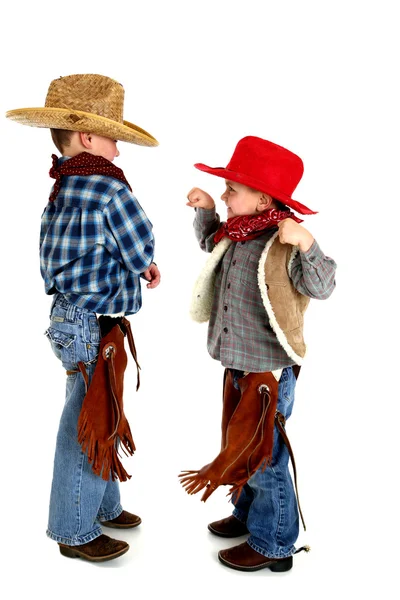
76	120
257	185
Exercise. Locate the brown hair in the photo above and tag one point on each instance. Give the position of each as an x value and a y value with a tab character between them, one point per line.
280	205
61	138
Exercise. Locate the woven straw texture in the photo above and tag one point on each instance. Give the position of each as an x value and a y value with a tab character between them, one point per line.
90	103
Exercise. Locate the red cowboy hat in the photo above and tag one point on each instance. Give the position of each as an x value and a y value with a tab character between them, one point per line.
266	167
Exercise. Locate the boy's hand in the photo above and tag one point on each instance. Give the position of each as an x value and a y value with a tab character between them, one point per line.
293	233
152	274
199	199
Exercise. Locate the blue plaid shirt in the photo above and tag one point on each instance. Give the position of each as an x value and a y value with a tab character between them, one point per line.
95	241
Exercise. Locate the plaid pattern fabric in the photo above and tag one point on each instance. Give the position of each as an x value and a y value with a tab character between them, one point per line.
239	333
95	241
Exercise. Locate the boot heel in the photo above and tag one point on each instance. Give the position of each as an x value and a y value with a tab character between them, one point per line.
68	551
283	565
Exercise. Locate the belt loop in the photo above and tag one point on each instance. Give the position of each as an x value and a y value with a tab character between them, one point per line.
71	312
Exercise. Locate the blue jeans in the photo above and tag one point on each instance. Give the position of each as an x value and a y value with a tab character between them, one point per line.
268	503
79	498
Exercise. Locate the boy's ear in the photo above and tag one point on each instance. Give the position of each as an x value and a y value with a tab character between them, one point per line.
86	139
264	202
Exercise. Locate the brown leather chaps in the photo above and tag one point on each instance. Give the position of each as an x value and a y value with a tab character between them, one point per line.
102	425
248	418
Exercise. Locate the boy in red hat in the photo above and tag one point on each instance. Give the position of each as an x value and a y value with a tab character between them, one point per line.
256	285
96	242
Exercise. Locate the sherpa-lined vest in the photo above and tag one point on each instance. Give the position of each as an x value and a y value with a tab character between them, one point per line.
285	306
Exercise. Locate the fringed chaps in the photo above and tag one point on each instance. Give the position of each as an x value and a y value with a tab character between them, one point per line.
248	419
102	425
249	416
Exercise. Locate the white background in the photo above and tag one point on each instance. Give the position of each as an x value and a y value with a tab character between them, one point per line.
320	78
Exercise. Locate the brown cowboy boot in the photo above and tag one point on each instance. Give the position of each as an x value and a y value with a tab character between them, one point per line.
100	549
230	527
125	520
244	558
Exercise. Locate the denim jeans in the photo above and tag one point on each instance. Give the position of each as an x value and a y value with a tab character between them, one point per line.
79	498
268	503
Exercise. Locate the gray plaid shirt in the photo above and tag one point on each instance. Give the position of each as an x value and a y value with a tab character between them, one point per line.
239	332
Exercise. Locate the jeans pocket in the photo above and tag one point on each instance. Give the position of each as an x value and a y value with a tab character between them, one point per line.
58	313
63	346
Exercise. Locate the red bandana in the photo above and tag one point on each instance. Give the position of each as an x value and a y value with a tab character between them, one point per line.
248	227
83	164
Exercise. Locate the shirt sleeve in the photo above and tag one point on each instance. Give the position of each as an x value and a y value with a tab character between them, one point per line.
205	224
129	236
313	273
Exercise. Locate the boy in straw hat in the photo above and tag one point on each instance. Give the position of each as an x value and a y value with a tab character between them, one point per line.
95	244
263	269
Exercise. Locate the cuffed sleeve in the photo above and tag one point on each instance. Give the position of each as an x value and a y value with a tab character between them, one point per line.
205	224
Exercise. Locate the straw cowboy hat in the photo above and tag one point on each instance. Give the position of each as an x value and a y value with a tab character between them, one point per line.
87	103
266	167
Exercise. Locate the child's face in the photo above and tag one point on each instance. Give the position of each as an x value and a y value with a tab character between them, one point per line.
103	146
240	199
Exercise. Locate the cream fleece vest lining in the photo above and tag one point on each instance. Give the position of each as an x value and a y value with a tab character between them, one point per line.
203	291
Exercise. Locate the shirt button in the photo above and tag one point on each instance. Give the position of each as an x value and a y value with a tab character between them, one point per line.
243	243
225	329
234	263
229	285
225	308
